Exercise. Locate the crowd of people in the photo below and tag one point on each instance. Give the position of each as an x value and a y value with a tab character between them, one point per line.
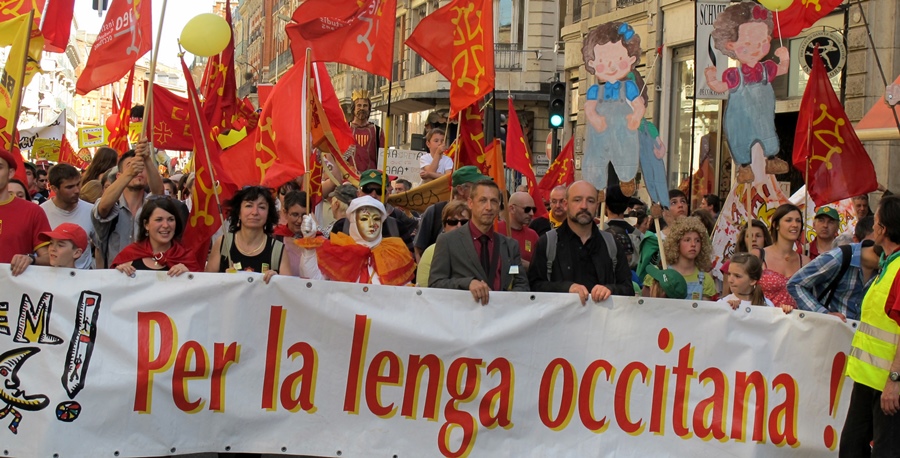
121	213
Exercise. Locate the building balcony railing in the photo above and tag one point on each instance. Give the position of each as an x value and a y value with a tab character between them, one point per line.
627	3
508	56
280	64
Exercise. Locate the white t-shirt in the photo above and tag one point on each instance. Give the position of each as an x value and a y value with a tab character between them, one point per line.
81	216
743	302
445	164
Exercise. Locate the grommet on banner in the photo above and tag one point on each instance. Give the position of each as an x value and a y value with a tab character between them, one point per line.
309	284
640	301
72	273
172	450
694	305
190	276
116	453
338	453
133	275
802	315
748	309
283	449
56	455
532	297
227	448
249	279
365	289
854	325
418	292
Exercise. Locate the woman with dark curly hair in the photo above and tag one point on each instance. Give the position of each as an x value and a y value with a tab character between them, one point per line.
249	244
689	252
158	245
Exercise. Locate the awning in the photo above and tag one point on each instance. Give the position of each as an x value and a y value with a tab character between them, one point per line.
879	123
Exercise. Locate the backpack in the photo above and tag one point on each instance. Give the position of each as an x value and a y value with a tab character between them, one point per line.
847	253
225	251
630	242
553	237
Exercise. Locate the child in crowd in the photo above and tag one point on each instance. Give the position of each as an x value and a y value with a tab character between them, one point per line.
744	274
67	243
689	253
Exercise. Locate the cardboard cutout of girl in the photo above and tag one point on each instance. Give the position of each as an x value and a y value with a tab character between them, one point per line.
614	106
744	32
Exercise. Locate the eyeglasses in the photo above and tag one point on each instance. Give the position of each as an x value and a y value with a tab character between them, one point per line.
455	222
529	209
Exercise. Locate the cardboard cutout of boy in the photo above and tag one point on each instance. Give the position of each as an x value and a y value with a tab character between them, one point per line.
614	106
744	32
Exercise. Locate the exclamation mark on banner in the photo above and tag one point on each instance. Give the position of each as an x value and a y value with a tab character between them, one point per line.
834	393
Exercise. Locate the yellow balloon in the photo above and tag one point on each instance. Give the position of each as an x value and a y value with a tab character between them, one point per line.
776	5
205	35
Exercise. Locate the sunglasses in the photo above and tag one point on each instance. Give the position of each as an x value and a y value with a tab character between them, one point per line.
371	190
455	222
529	209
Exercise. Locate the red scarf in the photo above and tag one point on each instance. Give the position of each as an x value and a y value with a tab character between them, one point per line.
176	254
283	231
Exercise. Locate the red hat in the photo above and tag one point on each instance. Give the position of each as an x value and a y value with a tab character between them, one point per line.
67	231
8	157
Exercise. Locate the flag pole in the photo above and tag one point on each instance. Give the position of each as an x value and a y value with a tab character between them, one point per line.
147	130
806	209
212	177
22	79
307	129
877	59
387	138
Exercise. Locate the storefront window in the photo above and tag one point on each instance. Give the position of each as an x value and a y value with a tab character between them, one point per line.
699	123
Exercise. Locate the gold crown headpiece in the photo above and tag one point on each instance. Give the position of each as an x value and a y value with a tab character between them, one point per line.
361	94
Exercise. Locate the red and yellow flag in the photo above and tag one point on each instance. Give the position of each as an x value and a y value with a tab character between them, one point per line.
471	138
493	164
357	33
458	40
839	166
171	120
118	123
210	178
561	172
11	9
518	157
218	85
800	15
126	35
16	32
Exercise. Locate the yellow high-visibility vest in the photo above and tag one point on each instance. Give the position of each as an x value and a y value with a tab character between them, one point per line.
875	341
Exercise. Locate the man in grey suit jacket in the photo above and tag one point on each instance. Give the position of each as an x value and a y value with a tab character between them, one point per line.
474	257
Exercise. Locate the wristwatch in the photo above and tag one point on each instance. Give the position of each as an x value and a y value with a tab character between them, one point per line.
894	376
33	257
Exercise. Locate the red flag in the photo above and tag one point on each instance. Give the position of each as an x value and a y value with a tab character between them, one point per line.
357	33
206	216
839	166
332	106
171	120
800	15
13	9
315	181
57	24
471	138
117	124
118	46
518	157
561	172
219	88
702	180
273	153
68	155
458	40
493	164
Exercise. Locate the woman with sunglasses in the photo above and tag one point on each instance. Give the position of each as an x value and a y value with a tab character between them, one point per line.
158	245
521	213
455	214
249	245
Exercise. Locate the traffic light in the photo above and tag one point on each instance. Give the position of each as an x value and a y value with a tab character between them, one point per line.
557	106
100	5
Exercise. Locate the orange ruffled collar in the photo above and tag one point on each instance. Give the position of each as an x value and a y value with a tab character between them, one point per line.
341	258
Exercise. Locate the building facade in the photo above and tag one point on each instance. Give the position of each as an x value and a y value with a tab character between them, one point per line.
693	129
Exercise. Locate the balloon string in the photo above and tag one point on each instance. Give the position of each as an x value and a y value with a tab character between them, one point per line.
778	24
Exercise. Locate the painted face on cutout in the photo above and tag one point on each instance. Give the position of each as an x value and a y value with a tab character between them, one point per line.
368	223
611	61
752	44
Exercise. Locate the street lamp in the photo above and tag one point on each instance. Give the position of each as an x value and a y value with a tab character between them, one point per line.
258	78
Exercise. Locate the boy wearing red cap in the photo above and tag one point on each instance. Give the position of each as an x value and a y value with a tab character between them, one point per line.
67	243
20	223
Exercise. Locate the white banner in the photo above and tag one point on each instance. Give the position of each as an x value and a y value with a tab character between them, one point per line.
95	363
402	163
705	51
56	130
